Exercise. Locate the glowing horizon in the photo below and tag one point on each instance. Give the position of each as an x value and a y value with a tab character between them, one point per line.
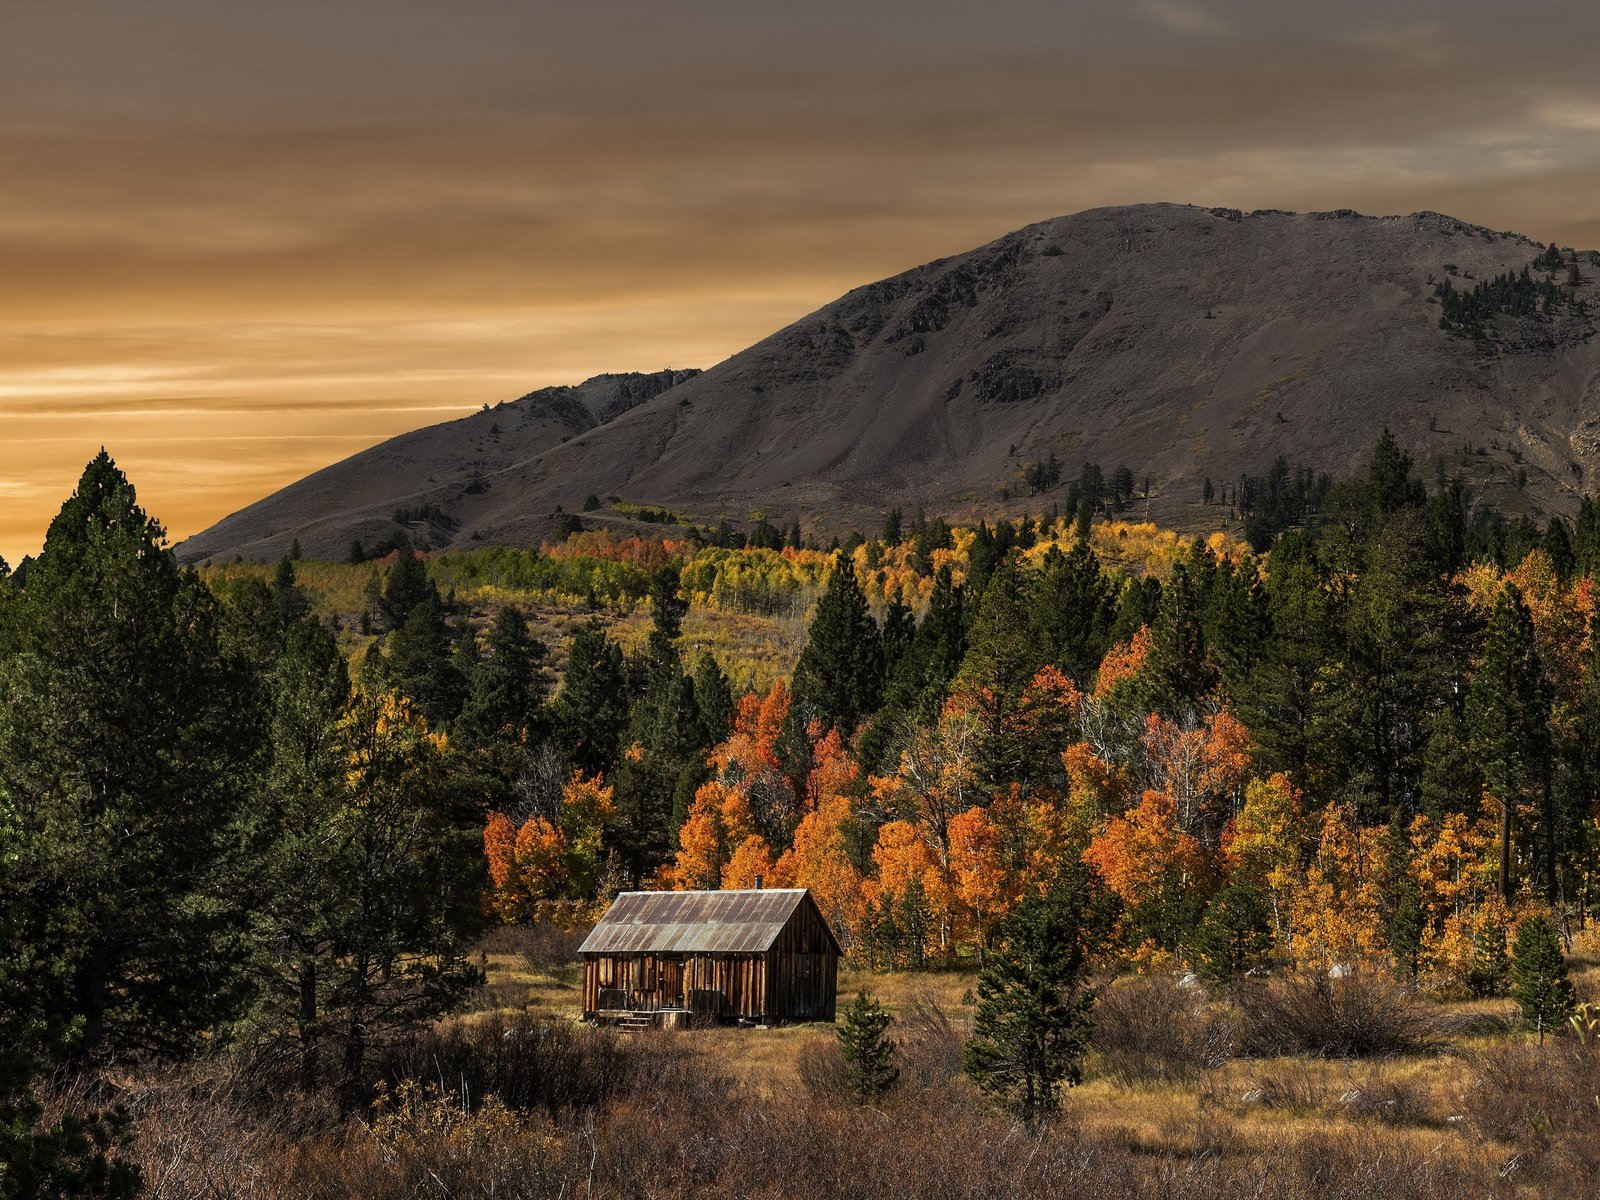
243	243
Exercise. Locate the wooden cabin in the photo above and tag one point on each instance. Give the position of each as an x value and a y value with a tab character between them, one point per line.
764	955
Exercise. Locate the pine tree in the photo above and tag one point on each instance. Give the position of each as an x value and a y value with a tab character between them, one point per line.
914	920
591	709
1508	711
899	628
1179	672
1234	935
667	738
406	586
1001	659
304	792
288	597
1033	1021
418	660
839	678
922	677
1539	980
1401	899
1073	605
402	883
1389	484
1450	779
867	1048
505	693
74	1155
128	739
1491	965
714	698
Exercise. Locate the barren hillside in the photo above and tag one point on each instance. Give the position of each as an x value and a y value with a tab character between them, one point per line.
1183	342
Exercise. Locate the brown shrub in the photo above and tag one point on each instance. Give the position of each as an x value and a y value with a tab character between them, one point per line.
822	1069
1387	1100
528	1062
1289	1086
1149	1030
1542	1100
1351	1016
721	1143
930	1043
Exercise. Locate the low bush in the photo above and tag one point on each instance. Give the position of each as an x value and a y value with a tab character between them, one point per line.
930	1044
822	1069
703	1138
530	1063
1348	1016
1544	1099
1149	1030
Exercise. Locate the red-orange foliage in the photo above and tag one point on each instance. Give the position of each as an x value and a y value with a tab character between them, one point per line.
703	839
984	889
752	745
750	864
1122	663
541	859
1136	854
818	859
499	847
646	553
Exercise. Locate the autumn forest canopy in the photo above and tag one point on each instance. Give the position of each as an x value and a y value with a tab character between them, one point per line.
276	807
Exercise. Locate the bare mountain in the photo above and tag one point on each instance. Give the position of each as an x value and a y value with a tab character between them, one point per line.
1183	342
434	477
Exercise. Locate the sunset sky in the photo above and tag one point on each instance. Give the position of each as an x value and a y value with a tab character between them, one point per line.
239	241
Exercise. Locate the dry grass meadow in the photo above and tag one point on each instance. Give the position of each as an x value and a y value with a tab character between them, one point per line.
518	1098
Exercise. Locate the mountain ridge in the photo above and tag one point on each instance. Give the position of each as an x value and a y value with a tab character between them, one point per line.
1182	341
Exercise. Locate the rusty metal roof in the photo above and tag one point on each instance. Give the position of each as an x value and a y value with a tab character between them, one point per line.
731	922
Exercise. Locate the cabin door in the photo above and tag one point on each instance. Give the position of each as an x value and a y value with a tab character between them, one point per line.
672	983
808	985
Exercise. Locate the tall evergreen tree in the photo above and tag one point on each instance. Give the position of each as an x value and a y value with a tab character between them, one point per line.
899	628
506	691
1508	715
1033	1021
402	877
289	598
419	661
128	744
839	678
714	698
666	738
1400	632
1179	672
1073	605
297	914
405	586
1450	779
1400	900
1002	658
591	709
1279	705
